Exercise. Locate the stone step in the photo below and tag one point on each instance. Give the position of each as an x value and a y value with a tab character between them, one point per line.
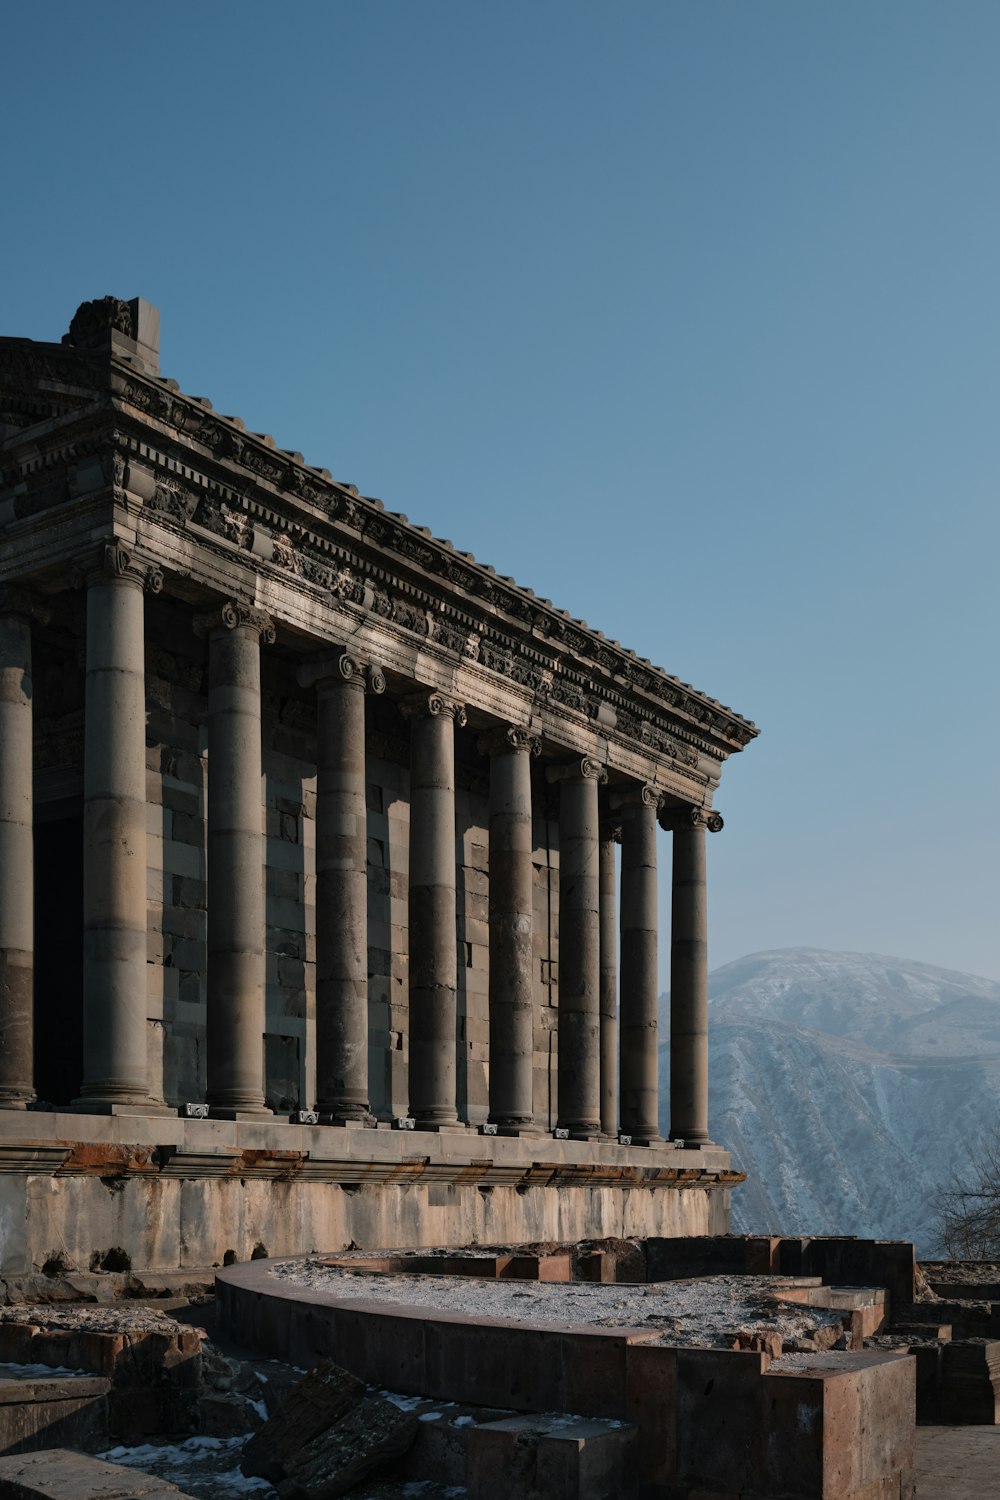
61	1474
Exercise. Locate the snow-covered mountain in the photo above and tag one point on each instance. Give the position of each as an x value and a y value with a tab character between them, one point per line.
850	1088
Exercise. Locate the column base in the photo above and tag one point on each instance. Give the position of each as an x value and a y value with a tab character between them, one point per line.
20	1103
153	1107
528	1132
441	1127
640	1138
578	1133
222	1112
348	1122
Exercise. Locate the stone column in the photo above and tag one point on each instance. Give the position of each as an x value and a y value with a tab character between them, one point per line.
610	836
640	976
235	861
17	923
689	976
115	1070
512	1006
433	933
341	886
579	948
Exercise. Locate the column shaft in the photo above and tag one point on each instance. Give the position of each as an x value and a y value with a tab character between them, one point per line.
433	936
689	989
17	939
341	902
579	956
639	1007
235	870
511	933
609	988
114	832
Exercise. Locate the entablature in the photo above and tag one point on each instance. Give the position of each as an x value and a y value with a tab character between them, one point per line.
209	502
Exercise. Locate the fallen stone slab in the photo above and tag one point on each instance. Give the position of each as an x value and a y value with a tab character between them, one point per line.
319	1400
367	1438
61	1474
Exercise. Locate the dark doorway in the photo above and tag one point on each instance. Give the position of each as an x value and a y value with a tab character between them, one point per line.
58	952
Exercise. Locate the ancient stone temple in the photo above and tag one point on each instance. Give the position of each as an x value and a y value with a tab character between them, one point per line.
313	921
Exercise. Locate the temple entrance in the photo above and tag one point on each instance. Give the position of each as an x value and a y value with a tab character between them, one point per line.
58	952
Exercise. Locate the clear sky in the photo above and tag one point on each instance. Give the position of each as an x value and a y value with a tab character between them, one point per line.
685	314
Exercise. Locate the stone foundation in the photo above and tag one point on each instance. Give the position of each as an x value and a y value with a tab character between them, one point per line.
85	1192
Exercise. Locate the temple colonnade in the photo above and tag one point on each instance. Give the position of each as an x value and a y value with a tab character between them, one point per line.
608	1083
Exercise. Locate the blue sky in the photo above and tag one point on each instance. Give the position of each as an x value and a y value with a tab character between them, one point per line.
685	314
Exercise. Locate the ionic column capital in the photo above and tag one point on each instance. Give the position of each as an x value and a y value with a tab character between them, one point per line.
675	819
112	560
342	667
432	705
584	769
625	799
505	739
24	603
234	614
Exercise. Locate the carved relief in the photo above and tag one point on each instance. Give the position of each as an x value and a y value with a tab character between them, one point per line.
171	500
93	321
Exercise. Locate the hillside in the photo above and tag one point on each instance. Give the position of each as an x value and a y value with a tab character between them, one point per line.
849	1087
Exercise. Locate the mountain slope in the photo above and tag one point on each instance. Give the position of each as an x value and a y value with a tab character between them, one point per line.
850	1087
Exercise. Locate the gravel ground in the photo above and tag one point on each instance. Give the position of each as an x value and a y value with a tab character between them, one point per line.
706	1311
119	1317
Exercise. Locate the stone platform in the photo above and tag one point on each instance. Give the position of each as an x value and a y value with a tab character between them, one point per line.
154	1193
723	1423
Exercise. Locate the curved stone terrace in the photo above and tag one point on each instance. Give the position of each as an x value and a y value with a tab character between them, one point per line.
706	1312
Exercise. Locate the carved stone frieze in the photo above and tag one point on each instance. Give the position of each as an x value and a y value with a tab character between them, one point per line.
348	546
170	499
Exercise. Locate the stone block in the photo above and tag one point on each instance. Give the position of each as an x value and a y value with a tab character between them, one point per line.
718	1424
651	1404
325	1395
549	1458
45	1413
838	1427
970	1382
62	1474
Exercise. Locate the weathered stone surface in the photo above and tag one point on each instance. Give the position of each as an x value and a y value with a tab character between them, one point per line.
41	1413
60	1474
326	1395
365	1439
